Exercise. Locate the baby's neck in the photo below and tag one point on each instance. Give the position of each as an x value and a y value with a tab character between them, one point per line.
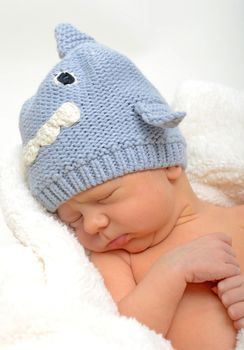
192	222
191	214
193	211
206	218
188	206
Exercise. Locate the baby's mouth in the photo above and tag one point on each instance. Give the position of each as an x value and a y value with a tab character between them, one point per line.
118	242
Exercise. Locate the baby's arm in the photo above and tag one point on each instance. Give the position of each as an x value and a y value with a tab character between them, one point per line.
154	300
231	293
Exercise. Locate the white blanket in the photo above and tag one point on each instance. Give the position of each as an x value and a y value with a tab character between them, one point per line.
51	296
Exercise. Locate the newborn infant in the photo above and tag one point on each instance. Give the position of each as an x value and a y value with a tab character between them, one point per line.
148	235
103	150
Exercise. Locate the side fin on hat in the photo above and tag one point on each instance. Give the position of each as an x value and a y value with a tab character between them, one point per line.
68	37
158	114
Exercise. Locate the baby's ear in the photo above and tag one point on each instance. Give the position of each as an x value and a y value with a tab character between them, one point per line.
158	114
173	172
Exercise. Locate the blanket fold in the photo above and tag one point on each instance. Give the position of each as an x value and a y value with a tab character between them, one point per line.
51	296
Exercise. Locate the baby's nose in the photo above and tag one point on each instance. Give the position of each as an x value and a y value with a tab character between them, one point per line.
94	223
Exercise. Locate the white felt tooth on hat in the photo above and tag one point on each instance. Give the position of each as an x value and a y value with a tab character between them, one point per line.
65	116
158	114
68	37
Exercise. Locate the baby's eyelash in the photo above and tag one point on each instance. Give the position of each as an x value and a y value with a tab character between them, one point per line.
109	195
73	222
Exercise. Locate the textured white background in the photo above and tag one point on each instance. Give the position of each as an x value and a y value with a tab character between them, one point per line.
171	41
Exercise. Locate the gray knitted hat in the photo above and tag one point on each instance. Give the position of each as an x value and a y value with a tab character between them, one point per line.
94	117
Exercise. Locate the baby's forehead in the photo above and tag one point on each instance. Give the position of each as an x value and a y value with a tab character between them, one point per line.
115	183
96	190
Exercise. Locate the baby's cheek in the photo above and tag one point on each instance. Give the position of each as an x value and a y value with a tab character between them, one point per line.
82	237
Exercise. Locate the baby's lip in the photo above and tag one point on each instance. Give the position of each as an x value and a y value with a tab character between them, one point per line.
119	241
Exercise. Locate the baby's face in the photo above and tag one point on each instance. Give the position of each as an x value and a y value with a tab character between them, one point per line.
127	213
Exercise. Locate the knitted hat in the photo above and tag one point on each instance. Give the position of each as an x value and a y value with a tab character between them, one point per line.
94	117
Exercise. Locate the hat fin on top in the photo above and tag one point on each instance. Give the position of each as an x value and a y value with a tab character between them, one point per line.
158	114
68	37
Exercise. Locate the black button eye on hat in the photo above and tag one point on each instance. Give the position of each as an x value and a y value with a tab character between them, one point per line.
65	78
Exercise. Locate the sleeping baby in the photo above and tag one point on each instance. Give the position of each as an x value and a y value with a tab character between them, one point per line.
102	150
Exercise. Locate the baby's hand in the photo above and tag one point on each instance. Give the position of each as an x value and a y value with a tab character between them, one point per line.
208	258
231	293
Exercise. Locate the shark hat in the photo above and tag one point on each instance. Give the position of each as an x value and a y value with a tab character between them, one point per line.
93	118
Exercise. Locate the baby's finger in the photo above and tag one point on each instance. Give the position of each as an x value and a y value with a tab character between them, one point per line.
228	270
229	250
215	290
236	311
229	259
230	283
232	296
223	237
239	324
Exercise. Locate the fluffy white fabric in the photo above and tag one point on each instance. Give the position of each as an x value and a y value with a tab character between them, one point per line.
214	130
51	296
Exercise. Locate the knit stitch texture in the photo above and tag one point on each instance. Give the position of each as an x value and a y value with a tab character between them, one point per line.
93	118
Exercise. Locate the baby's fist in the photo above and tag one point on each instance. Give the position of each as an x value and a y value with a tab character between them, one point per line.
231	293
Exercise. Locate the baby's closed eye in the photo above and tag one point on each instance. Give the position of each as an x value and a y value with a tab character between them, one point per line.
68	214
76	222
107	196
